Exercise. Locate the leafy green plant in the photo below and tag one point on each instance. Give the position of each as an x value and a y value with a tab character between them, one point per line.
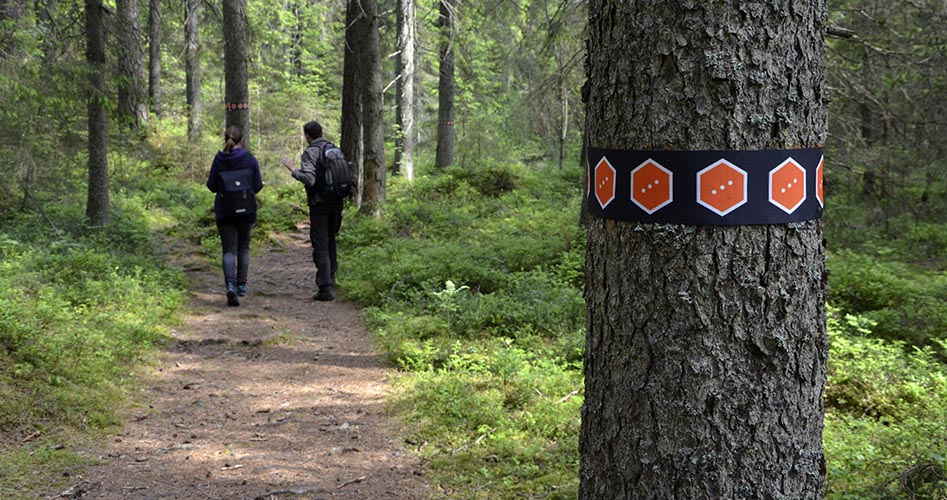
905	302
448	299
885	411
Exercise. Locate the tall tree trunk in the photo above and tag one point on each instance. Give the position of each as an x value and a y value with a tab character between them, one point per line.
154	55
297	50
373	196
192	68
97	201
46	17
351	141
132	101
9	17
404	143
563	116
706	347
445	87
235	67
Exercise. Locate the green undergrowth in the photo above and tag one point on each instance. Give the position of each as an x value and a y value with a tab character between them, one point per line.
80	308
886	407
472	283
907	301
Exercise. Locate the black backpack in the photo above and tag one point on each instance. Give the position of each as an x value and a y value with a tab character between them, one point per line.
237	196
333	174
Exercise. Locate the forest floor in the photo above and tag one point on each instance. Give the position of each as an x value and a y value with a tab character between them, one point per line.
280	398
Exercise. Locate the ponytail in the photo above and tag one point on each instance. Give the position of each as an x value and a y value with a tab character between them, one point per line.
232	138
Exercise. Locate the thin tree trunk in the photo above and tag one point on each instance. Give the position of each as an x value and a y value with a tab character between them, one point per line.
297	51
97	201
404	147
132	105
563	116
154	55
46	17
351	141
235	67
9	11
445	87
373	196
706	346
192	69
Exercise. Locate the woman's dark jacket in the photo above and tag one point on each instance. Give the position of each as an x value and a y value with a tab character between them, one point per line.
236	159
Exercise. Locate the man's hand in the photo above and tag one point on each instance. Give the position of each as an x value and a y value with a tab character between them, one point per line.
288	163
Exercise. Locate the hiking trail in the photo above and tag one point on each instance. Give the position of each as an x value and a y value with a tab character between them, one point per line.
282	397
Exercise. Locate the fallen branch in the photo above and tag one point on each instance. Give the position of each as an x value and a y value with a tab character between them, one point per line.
567	396
353	481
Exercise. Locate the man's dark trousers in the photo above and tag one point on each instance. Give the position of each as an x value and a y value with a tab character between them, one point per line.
324	223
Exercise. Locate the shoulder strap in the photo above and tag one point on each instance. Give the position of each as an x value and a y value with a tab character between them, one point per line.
319	144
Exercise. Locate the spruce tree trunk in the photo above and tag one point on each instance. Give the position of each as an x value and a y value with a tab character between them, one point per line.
404	148
351	141
192	69
154	55
235	67
46	17
132	100
97	201
373	195
706	347
445	87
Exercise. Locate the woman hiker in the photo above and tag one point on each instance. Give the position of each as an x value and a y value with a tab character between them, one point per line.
235	177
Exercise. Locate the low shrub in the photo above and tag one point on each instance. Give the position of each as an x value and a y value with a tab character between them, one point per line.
905	302
885	411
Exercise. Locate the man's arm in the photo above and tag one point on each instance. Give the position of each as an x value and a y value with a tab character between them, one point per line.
306	173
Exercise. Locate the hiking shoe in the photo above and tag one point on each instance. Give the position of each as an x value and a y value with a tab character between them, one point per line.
324	295
242	290
232	299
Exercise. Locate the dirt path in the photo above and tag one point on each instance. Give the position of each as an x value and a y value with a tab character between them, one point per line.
282	397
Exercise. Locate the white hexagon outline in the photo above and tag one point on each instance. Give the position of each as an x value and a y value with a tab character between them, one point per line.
670	186
614	184
820	175
805	189
734	207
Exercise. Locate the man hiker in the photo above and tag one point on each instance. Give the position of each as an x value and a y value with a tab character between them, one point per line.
325	209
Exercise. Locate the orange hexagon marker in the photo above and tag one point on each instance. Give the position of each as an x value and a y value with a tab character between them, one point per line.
604	182
819	173
721	187
787	186
651	186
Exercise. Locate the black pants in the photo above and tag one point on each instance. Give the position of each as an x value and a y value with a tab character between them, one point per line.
324	225
235	240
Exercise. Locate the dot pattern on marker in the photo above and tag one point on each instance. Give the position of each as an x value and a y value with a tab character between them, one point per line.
787	189
704	187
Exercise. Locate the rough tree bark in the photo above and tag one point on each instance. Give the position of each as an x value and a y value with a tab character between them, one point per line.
351	127
154	55
445	88
706	346
235	67
404	142
373	125
97	201
192	69
132	92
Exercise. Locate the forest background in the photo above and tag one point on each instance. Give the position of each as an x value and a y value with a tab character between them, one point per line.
471	274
